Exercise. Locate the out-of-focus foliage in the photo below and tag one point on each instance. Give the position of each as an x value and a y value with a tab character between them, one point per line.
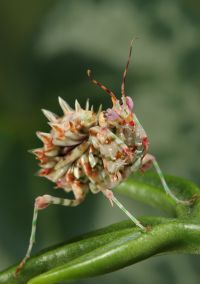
45	49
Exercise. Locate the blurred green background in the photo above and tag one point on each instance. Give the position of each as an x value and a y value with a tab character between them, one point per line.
45	49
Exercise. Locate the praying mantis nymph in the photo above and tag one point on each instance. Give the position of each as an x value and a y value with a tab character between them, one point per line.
86	151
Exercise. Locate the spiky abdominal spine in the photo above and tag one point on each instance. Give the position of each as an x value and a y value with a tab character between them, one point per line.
87	150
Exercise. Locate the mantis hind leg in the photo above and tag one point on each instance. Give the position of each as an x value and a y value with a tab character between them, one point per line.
42	202
149	160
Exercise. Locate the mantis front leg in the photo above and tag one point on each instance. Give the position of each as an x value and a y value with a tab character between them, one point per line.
109	194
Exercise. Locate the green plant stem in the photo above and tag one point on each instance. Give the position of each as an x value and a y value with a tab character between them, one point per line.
60	254
148	190
130	248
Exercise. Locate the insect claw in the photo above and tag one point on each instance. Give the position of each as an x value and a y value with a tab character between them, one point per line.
92	108
194	198
52	117
189	202
64	105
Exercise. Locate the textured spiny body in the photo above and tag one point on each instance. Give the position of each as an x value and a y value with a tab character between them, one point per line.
86	151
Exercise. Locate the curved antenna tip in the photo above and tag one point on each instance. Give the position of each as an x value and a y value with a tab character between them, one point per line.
88	72
126	67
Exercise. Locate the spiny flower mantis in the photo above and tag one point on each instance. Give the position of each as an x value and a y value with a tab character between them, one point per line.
86	151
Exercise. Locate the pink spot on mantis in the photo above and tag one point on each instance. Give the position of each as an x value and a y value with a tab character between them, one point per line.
111	114
129	103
